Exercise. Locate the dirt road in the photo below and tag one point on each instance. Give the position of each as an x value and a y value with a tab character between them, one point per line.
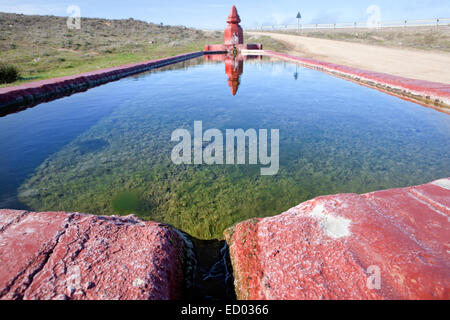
415	64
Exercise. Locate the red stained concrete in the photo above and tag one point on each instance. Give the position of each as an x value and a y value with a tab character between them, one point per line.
323	248
432	91
74	256
221	48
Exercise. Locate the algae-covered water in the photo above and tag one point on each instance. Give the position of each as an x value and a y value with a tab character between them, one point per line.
107	151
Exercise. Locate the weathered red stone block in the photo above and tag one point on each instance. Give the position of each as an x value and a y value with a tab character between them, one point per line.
333	248
76	256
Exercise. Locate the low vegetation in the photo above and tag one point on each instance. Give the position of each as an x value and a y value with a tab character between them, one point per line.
8	73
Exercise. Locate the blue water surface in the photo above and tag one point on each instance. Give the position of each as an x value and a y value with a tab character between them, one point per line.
107	150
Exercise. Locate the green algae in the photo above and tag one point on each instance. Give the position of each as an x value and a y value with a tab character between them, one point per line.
328	145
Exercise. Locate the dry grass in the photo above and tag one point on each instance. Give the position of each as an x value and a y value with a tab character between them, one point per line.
43	47
423	38
268	43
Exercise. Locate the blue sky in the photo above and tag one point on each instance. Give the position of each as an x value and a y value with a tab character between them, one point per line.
212	14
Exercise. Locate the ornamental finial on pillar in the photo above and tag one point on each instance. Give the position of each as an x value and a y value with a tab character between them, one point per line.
234	16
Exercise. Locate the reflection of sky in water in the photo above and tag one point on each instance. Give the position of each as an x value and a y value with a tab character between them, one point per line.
108	150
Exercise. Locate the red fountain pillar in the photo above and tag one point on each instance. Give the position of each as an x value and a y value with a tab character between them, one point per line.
234	34
234	37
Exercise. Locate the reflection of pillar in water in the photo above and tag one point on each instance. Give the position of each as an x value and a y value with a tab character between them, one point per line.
234	68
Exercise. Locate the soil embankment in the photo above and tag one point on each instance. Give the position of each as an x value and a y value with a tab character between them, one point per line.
409	63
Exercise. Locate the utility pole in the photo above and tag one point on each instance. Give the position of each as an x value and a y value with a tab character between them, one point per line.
299	16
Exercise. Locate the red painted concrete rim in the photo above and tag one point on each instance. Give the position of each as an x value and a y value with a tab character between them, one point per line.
130	66
431	94
330	248
17	98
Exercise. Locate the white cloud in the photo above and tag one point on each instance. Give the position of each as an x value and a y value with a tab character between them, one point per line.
29	8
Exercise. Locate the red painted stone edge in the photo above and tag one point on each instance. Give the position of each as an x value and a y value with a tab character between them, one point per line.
20	97
302	254
421	89
16	98
228	47
60	256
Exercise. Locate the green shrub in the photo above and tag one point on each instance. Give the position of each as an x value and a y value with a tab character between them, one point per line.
8	73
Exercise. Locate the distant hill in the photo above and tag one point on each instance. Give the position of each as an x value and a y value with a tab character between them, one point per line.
43	46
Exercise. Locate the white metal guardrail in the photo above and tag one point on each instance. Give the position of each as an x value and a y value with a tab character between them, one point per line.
360	25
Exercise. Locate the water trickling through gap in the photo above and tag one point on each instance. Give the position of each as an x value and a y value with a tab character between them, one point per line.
209	271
